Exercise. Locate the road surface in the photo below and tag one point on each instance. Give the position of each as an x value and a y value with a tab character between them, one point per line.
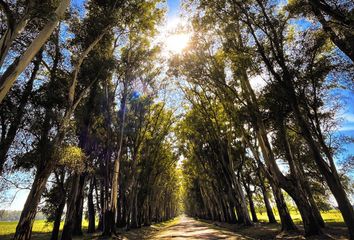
188	228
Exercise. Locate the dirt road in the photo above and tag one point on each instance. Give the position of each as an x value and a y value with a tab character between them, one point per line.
188	228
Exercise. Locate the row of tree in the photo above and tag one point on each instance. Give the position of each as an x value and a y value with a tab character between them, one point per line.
239	138
84	115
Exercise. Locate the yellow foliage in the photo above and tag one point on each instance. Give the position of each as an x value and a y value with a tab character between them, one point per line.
72	157
291	34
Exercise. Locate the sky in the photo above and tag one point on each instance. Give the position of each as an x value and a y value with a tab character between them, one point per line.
348	113
173	10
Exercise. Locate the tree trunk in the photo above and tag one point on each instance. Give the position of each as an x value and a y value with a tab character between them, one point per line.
147	217
237	196
286	221
233	218
253	210
134	220
247	220
246	185
124	212
70	212
100	205
270	214
106	212
311	199
261	134
79	204
287	224
57	220
286	80
110	225
91	209
119	210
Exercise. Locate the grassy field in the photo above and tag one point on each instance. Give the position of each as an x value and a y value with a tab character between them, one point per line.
38	226
332	216
42	229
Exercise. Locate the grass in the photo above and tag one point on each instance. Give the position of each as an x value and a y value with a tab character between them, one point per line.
38	226
331	216
41	229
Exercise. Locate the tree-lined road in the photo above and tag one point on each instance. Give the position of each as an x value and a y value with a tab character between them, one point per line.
128	113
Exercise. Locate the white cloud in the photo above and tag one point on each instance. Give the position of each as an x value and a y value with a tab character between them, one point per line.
346	128
348	117
347	120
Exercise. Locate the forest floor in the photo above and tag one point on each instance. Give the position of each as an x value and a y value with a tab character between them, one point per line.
188	228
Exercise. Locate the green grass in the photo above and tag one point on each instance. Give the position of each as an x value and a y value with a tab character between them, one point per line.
39	226
332	216
41	230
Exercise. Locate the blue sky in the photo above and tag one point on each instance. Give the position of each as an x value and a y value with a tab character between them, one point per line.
173	8
347	126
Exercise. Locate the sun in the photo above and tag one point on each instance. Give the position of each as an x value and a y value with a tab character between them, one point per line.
176	43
